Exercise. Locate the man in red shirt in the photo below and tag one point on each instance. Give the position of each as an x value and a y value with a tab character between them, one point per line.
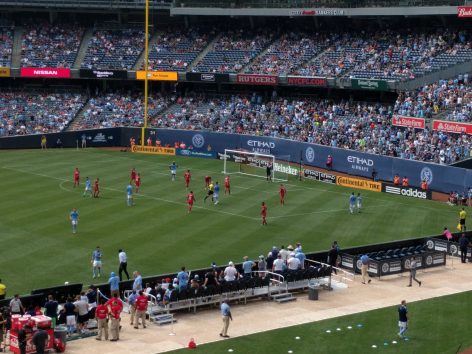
115	306
187	176
227	185
207	181
96	188
137	182
264	213
101	314
405	182
282	194
141	307
133	175
76	177
190	201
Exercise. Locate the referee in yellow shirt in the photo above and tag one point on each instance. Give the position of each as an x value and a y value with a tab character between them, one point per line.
462	216
3	290
211	189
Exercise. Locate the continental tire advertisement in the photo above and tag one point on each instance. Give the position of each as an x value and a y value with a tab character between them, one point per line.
359	183
156	150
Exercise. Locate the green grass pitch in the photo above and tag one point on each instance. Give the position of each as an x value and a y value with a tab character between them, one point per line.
39	250
436	326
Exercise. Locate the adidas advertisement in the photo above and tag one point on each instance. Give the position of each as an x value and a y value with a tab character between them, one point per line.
411	192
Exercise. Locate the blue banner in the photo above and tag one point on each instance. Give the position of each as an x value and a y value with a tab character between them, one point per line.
192	153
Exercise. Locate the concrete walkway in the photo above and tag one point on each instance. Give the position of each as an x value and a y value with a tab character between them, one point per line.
262	315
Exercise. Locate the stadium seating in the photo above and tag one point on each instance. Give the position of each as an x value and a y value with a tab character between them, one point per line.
6	46
114	49
46	45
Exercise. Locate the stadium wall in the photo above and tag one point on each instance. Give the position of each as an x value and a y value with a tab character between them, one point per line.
439	177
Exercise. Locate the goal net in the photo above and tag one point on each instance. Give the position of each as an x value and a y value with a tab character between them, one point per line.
255	164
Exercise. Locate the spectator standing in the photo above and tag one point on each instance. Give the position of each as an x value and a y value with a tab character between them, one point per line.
3	290
16	307
247	267
123	259
301	257
141	307
70	311
402	319
183	278
51	310
293	263
132	305
278	265
101	314
413	266
22	335
39	340
332	257
230	273
364	267
114	282
463	243
285	254
81	306
226	314
261	266
138	281
115	306
211	281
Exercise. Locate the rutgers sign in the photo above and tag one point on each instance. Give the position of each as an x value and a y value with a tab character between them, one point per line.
408	122
257	79
464	11
452	127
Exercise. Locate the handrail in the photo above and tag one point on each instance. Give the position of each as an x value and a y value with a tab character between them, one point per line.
345	272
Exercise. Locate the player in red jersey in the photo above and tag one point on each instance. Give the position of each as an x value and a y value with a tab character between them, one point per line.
264	213
187	176
137	182
76	177
282	191
207	181
190	200
96	188
227	185
133	175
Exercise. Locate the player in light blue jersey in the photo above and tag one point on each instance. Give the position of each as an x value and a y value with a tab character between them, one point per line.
97	262
173	170
88	187
359	202
352	203
216	193
129	195
74	219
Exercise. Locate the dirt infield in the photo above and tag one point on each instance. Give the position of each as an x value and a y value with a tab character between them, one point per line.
262	315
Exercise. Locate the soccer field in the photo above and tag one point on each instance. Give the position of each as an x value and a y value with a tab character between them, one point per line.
39	249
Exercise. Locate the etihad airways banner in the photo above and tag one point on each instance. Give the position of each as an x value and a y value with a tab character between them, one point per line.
452	127
45	72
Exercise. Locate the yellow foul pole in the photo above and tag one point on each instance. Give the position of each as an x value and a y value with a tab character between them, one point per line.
146	68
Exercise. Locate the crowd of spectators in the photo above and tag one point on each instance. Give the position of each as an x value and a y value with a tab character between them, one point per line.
233	50
175	49
37	113
6	46
450	99
46	45
114	49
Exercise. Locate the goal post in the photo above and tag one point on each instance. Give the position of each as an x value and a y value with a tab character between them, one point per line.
255	164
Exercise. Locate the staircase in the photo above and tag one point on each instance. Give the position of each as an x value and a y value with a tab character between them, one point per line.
261	54
140	61
204	52
75	123
16	52
162	319
283	297
83	48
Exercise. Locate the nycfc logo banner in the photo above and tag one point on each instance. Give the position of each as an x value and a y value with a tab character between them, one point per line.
426	174
198	141
310	154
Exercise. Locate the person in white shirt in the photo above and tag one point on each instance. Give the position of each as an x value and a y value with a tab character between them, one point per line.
284	253
123	258
293	262
230	273
279	265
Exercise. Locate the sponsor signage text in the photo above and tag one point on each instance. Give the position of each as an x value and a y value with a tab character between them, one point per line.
207	77
317	12
366	84
452	127
252	79
103	74
464	11
359	183
306	81
319	176
157	75
407	191
157	150
4	72
408	122
45	72
192	153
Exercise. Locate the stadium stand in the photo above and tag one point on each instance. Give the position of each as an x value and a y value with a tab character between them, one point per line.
233	50
37	113
176	49
46	45
6	45
114	49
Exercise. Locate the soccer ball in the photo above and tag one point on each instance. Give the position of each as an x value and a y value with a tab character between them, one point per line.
66	283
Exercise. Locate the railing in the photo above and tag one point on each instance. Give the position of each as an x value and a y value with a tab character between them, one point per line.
105	4
346	276
314	3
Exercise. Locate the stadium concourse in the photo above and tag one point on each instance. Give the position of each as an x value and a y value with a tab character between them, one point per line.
258	316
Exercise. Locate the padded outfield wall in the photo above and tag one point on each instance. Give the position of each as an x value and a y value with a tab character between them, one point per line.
440	178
